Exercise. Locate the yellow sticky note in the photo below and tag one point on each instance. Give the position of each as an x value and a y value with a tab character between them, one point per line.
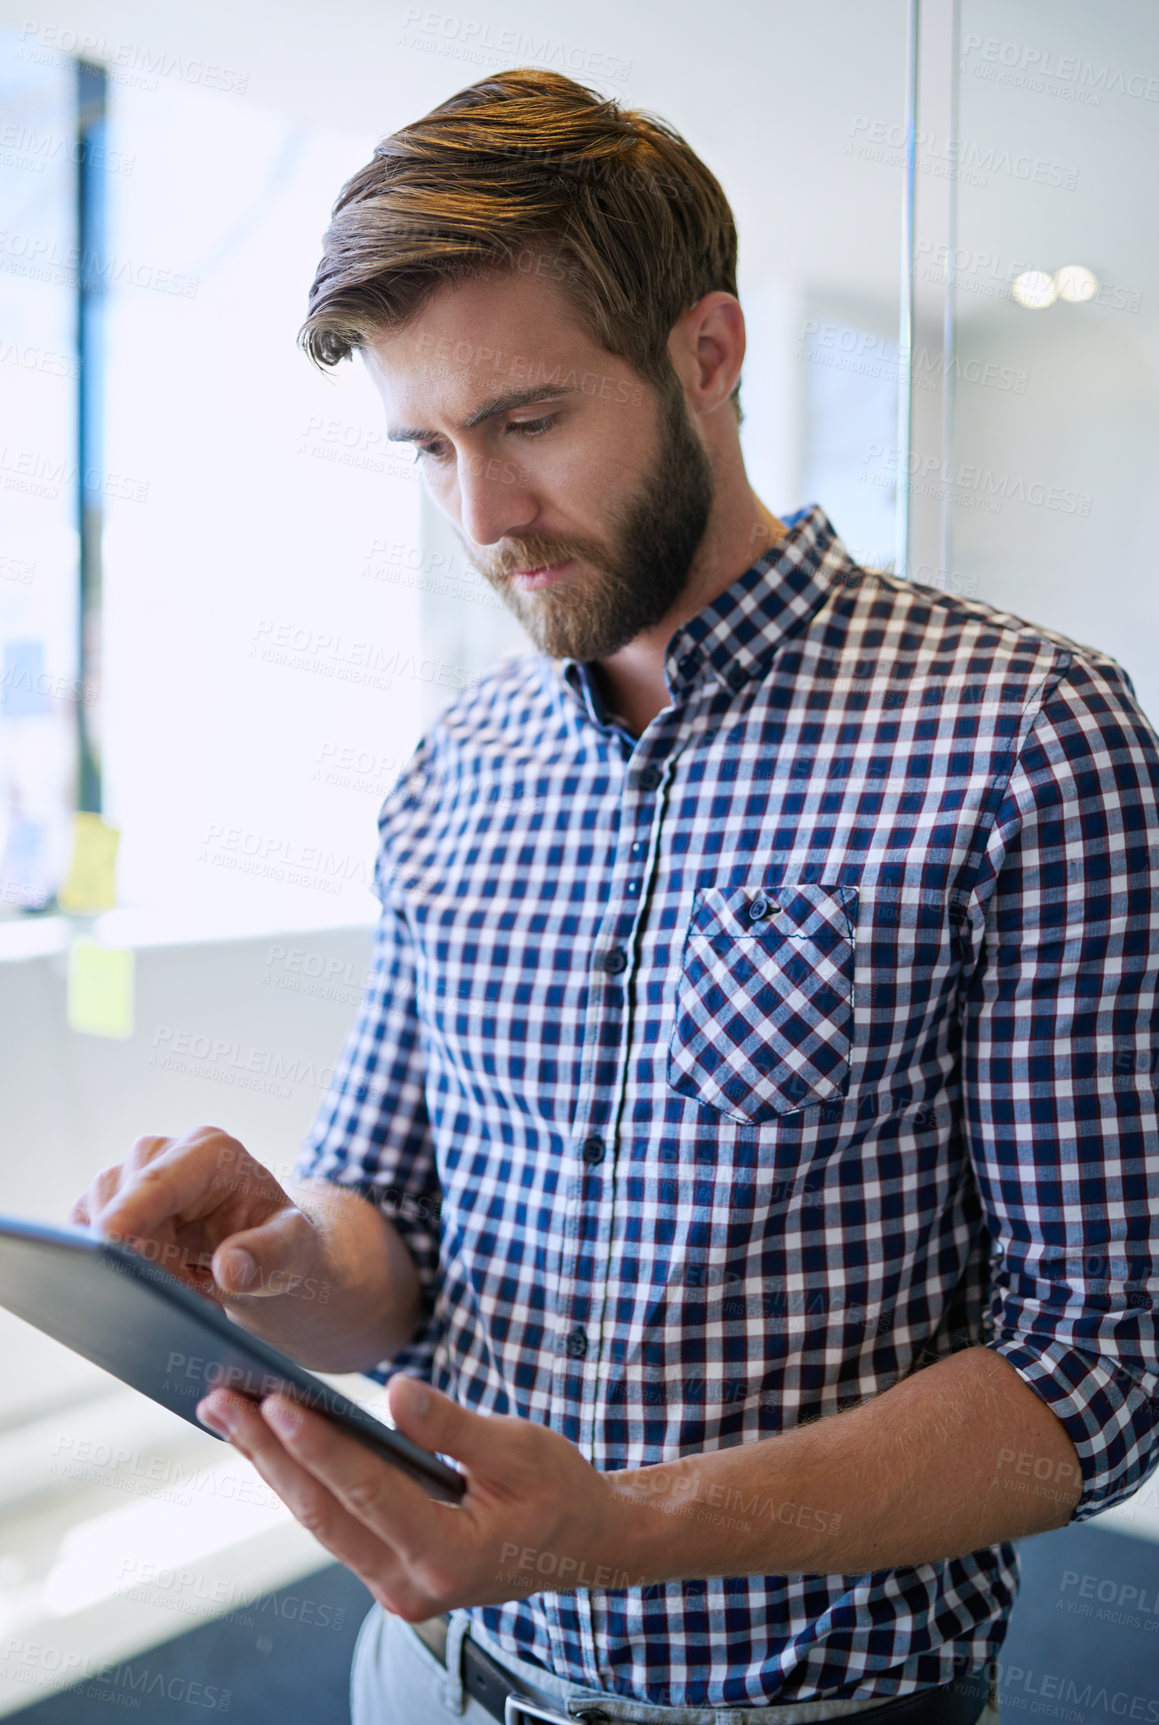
92	874
100	988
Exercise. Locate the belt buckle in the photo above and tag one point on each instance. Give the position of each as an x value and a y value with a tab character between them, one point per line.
518	1708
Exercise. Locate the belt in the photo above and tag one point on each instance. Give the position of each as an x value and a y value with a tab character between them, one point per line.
490	1685
956	1703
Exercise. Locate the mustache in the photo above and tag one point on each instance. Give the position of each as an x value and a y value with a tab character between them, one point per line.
533	554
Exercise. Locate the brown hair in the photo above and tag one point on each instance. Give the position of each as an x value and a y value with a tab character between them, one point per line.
528	164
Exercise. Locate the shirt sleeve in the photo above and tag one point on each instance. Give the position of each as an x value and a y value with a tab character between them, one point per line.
1060	1022
372	1132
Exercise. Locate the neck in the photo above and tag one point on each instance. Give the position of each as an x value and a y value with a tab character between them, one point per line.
632	680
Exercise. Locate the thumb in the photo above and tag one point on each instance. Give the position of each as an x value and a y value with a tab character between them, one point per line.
271	1259
435	1421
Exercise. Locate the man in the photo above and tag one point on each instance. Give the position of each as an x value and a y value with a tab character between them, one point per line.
748	1123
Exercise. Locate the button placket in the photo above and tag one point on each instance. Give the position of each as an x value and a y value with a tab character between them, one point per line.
579	1344
582	1309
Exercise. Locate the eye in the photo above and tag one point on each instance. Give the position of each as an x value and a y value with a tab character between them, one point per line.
527	427
533	427
425	449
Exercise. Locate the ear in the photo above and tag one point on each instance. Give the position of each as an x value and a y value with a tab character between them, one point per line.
707	349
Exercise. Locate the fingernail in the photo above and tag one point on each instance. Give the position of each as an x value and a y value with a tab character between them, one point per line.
284	1418
222	1417
420	1401
239	1267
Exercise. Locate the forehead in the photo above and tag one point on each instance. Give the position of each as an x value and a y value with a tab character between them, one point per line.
477	339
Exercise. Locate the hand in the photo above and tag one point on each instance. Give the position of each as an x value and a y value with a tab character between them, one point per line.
535	1514
207	1211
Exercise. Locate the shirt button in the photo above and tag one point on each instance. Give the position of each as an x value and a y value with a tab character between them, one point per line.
615	960
637	848
688	664
735	676
576	1344
650	778
759	908
593	1149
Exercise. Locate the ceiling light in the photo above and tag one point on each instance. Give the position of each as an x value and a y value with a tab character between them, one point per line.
1076	283
1035	290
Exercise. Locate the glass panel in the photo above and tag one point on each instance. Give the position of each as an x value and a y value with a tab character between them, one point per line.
261	640
1055	260
38	538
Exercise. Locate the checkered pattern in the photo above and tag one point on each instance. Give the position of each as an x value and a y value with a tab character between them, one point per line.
763	1020
717	1079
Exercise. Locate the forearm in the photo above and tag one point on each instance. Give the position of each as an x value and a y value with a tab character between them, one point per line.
362	1302
929	1469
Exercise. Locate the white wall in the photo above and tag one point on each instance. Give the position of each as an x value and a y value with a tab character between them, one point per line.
281	1005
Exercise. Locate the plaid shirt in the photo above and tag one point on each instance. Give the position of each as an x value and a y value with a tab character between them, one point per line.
718	1079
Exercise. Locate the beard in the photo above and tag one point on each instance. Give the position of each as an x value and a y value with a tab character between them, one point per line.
642	570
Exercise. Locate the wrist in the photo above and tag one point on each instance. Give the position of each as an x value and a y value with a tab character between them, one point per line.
655	1511
368	1283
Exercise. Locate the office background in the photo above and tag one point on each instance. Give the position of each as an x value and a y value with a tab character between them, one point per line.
227	610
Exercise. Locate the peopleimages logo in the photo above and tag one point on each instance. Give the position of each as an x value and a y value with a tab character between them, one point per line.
474	39
957	158
870	355
1041	68
38	1664
233	1062
1017	1682
34	254
981	485
48	44
1123	1595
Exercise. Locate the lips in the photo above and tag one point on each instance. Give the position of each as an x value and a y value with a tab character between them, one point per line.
526	578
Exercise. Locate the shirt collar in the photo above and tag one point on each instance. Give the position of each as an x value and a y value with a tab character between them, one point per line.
736	634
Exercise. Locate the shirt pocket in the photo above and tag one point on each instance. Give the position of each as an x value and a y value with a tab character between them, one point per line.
764	1001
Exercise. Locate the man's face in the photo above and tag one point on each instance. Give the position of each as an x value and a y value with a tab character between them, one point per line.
593	469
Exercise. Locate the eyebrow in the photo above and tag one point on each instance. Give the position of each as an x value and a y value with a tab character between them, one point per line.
498	404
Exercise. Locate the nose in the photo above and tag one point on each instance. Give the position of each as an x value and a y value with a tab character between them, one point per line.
495	501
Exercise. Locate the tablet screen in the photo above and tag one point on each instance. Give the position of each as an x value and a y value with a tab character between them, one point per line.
138	1322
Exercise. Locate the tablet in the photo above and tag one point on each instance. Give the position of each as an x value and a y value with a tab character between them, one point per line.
134	1319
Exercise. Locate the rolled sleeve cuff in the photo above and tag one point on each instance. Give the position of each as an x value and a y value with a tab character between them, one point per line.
422	1242
1108	1417
409	1214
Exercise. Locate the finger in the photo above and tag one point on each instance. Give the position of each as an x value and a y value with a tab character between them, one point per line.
143	1150
178	1179
304	1495
438	1423
382	1497
81	1212
111	1180
95	1196
272	1259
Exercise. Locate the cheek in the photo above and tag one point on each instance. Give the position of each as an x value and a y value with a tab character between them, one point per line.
587	483
442	485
